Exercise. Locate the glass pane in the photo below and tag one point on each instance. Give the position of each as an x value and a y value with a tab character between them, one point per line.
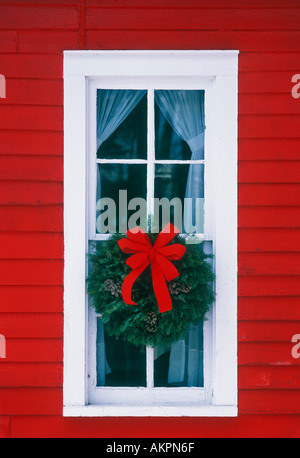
168	145
181	364
179	125
125	185
183	187
122	128
119	363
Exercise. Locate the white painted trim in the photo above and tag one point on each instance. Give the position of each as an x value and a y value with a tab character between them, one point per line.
216	71
184	410
153	63
225	243
75	315
144	161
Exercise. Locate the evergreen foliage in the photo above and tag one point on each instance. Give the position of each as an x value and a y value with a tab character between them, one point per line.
191	296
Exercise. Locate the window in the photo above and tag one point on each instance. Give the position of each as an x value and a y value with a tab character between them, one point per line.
126	138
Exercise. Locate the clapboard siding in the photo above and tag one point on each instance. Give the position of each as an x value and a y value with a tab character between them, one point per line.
188	39
31	299
269	240
38	17
31	272
32	37
33	193
267	331
17	375
31	401
260	149
269	263
268	104
33	66
269	285
269	194
38	219
47	42
181	19
28	245
273	308
262	401
271	4
34	351
245	426
267	216
31	118
267	354
32	92
269	377
266	82
31	325
8	41
31	142
269	171
35	168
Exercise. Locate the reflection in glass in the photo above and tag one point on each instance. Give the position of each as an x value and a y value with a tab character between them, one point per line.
119	363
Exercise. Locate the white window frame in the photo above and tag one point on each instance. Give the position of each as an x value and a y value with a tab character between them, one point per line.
216	72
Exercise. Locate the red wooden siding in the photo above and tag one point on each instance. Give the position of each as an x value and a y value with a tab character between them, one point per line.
33	35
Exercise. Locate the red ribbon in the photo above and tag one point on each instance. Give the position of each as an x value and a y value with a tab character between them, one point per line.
159	256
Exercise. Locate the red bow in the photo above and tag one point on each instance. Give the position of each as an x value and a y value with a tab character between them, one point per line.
159	256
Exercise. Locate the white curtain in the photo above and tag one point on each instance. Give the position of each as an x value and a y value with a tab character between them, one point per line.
186	358
184	110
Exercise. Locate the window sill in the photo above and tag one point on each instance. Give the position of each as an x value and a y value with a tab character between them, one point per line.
185	410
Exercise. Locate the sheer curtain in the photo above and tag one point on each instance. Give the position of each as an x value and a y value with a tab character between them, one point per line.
184	110
186	358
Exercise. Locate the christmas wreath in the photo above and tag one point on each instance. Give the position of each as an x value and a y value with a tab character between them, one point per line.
191	293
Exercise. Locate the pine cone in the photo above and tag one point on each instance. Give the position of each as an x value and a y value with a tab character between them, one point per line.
113	288
117	290
185	288
176	287
151	322
173	287
108	285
